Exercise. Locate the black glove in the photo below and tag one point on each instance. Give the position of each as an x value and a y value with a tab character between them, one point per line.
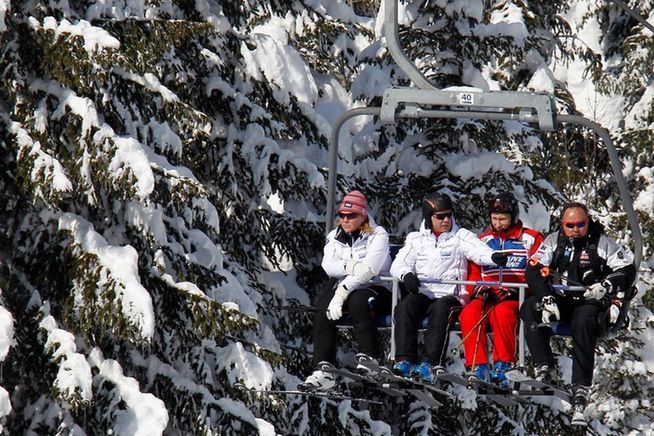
411	283
486	294
500	258
481	291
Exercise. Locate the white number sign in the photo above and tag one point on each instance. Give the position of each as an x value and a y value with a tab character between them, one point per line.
466	98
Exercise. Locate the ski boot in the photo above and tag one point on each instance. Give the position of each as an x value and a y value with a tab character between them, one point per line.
403	368
318	381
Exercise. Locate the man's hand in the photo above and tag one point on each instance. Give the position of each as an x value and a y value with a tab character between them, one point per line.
550	309
597	291
481	291
411	283
335	309
500	258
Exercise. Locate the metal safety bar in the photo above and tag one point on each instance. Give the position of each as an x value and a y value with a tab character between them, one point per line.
395	289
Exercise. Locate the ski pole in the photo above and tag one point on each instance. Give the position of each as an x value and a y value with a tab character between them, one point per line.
483	306
455	350
296	308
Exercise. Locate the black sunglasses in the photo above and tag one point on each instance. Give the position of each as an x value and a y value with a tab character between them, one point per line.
350	216
580	224
442	216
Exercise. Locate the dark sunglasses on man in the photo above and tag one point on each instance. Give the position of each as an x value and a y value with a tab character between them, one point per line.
442	216
580	224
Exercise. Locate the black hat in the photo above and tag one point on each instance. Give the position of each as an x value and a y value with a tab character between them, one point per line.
504	202
435	202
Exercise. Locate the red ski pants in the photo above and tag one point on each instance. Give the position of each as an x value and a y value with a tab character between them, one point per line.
503	319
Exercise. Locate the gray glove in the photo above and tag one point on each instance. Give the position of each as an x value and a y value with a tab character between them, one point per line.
550	309
597	291
335	309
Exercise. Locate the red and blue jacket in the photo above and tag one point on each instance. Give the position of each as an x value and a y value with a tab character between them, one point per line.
520	242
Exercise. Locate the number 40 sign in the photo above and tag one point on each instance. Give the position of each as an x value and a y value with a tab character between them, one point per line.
466	98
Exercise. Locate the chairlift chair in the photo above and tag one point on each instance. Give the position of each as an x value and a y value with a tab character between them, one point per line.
426	101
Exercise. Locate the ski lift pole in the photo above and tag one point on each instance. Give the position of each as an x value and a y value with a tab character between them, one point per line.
395	47
633	14
333	158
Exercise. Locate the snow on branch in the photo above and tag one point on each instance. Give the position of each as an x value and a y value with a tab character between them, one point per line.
95	38
6	341
139	413
43	173
180	390
6	332
74	380
211	316
107	277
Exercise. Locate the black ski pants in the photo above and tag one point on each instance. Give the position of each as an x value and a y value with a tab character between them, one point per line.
409	314
363	304
583	318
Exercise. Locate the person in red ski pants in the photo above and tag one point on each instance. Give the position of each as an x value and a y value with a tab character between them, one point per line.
497	306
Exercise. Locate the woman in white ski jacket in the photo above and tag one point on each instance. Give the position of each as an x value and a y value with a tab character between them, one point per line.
355	253
439	251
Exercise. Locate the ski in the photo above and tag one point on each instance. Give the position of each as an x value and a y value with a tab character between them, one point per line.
378	376
538	387
331	395
360	378
391	377
369	365
484	389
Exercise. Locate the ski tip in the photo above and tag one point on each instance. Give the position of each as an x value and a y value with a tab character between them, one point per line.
578	419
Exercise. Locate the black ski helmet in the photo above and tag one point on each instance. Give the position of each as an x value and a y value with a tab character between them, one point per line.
435	202
504	202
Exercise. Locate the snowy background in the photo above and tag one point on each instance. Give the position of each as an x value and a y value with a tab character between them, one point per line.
163	192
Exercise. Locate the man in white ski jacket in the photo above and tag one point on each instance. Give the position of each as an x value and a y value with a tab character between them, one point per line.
440	250
355	253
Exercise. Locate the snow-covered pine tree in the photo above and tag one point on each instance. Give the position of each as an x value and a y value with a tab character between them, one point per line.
140	145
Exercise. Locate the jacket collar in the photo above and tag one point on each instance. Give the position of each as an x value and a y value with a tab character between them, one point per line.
443	236
513	233
349	239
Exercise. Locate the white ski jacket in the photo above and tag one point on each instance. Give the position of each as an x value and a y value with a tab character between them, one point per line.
369	248
444	258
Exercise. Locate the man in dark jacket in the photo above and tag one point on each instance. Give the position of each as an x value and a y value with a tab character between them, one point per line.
579	254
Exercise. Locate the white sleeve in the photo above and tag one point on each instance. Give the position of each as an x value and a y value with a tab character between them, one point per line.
375	258
332	262
405	259
616	256
475	249
545	252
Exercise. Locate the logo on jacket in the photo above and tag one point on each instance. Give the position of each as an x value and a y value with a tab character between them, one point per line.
515	262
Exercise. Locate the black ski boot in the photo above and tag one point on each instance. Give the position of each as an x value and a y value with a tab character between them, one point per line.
544	373
579	402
